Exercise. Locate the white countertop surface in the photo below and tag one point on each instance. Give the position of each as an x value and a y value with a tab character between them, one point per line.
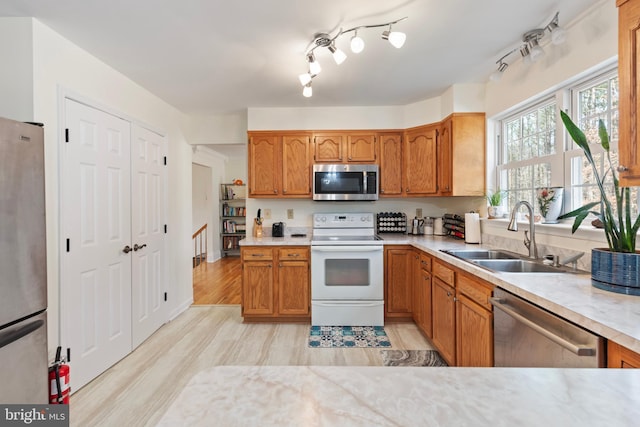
611	315
404	396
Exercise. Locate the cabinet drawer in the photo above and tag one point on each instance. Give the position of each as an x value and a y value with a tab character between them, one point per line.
293	254
474	290
425	262
444	273
256	253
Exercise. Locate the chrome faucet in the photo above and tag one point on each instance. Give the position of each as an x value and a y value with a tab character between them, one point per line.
530	238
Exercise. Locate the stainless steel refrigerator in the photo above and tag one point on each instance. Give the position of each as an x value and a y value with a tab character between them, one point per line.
23	265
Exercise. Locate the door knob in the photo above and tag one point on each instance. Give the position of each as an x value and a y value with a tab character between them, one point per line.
127	249
622	168
136	247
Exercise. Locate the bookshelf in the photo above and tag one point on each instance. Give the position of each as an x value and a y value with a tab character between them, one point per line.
233	223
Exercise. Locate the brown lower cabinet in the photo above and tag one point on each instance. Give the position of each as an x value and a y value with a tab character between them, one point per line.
275	283
621	357
399	273
452	308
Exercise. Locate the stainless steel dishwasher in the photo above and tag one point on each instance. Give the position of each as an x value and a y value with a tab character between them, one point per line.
526	335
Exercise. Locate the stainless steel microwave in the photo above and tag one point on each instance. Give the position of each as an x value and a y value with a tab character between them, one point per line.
345	182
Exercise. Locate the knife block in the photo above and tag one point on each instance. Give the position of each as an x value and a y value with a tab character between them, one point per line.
257	229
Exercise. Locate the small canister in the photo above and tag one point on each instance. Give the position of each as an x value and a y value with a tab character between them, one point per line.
438	227
428	226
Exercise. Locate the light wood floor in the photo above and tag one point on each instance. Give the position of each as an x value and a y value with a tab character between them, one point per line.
139	389
218	282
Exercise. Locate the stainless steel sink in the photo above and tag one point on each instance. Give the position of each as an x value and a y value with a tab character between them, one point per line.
482	254
517	266
507	262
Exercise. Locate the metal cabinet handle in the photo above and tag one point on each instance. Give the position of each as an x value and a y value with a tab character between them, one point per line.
408	190
275	191
580	350
127	249
622	168
136	247
382	190
293	255
257	254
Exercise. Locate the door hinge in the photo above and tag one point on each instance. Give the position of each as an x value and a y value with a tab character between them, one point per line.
66	135
68	245
165	160
165	229
68	354
165	296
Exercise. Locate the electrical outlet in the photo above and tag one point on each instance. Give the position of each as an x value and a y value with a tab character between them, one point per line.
267	213
289	213
419	212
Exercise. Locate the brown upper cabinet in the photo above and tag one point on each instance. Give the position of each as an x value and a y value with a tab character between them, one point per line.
419	161
279	164
628	145
440	159
344	147
461	155
390	164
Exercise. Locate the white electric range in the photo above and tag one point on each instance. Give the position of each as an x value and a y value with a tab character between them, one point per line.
347	273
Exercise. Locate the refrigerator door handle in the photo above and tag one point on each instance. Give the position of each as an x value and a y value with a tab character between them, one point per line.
7	337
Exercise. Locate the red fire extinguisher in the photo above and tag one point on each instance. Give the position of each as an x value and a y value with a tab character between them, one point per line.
59	387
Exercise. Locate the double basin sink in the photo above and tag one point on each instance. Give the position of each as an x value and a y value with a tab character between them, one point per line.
506	262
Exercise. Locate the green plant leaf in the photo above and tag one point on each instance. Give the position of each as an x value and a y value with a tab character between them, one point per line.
604	136
579	211
576	134
579	218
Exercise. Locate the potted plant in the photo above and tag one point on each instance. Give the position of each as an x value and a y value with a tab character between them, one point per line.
617	268
495	199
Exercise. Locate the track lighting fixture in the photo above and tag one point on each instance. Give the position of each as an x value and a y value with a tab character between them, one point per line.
395	38
530	49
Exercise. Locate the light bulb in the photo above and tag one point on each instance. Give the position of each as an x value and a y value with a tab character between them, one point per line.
338	55
357	44
307	92
496	76
558	35
397	39
304	79
314	66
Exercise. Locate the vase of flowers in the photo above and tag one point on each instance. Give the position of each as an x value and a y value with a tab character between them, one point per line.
616	268
550	203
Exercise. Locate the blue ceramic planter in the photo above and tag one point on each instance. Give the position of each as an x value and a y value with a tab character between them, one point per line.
615	271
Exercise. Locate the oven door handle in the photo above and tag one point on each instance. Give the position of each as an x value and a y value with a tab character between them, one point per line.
580	350
346	248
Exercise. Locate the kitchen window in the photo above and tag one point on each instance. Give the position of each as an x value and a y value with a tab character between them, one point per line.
534	149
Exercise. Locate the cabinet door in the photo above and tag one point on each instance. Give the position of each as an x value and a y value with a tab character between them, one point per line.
390	165
621	357
264	171
296	165
328	148
424	283
293	288
258	288
474	332
420	162
399	277
444	158
444	321
418	290
628	36
361	148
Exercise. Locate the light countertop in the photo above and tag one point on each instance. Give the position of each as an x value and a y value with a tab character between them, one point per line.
404	396
611	315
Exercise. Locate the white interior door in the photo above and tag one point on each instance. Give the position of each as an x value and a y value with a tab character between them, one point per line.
96	227
147	224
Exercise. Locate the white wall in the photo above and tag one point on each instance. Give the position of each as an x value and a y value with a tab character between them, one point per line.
591	40
202	203
16	69
60	66
218	129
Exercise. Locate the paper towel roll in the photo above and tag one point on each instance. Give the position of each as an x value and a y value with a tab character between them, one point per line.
472	228
438	227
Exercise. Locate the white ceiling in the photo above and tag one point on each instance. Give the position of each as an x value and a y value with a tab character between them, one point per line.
223	56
